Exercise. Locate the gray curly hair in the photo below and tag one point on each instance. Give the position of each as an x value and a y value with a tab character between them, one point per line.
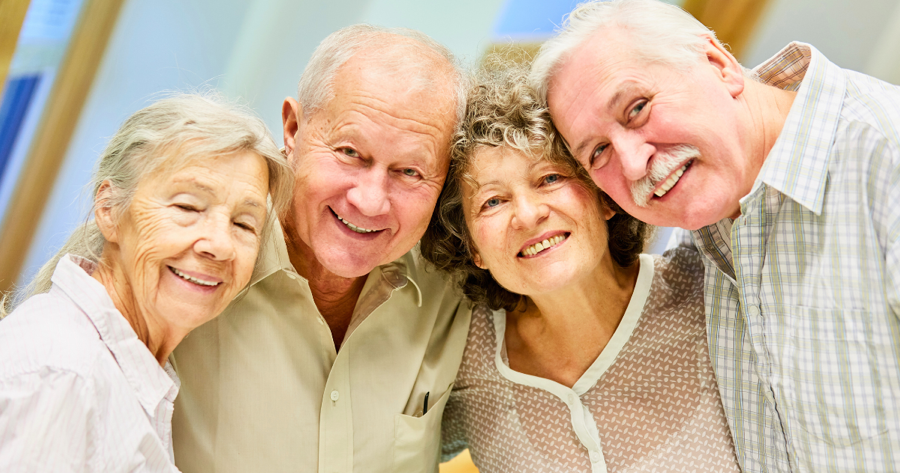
503	111
168	134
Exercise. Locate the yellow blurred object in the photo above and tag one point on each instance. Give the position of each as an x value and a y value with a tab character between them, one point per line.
734	21
462	463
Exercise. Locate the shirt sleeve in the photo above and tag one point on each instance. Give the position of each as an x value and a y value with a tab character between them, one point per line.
453	432
48	422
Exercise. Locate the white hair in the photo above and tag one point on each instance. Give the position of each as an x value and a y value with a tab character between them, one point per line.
168	135
316	87
660	33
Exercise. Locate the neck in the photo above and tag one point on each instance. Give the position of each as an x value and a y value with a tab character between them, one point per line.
159	339
767	109
335	296
559	335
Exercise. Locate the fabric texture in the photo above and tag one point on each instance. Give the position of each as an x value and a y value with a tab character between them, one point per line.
264	390
803	289
79	391
648	403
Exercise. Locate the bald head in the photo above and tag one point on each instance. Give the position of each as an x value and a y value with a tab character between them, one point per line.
417	60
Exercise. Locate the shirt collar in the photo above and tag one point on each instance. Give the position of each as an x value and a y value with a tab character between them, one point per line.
151	382
275	258
797	165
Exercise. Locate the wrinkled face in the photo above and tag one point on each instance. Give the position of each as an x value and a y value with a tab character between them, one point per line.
369	168
665	144
189	240
535	227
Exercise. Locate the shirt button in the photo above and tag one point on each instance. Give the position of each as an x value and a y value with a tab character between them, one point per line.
753	311
571	398
335	395
595	457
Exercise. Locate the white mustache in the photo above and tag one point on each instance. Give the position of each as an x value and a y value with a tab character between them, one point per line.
664	163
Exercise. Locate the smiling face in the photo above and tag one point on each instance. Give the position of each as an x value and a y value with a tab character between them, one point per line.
534	226
666	144
188	242
369	168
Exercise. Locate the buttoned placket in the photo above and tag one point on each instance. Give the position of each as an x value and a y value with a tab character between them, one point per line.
583	422
336	413
748	245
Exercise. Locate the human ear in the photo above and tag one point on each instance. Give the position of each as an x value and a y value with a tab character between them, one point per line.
291	113
476	258
103	212
725	66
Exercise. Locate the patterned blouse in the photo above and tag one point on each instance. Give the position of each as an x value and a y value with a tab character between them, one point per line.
649	402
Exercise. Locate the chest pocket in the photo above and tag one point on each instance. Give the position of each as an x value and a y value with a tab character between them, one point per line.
417	440
823	373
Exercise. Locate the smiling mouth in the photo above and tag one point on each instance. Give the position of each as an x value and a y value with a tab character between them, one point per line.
672	180
192	279
545	245
352	226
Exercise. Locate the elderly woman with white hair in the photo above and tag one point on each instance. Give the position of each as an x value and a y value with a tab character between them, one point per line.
180	210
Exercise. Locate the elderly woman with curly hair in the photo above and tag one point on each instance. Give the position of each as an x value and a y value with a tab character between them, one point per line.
583	353
180	209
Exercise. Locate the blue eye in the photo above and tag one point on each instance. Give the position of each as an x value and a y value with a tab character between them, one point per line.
552	179
492	202
410	172
637	109
596	154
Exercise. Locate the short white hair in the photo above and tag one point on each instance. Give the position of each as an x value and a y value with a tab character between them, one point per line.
316	87
661	33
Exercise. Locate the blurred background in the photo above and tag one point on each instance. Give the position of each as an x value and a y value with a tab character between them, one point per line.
73	70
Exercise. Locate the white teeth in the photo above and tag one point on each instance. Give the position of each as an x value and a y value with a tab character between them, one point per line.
543	245
670	182
193	279
354	227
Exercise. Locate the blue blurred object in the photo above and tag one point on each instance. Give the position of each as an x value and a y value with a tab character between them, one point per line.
531	20
16	98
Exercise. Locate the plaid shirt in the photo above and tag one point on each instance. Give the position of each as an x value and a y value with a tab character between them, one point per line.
803	289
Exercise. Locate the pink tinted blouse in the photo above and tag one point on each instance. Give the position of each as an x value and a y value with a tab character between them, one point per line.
649	402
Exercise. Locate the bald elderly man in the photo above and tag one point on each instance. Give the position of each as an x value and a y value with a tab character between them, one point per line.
788	177
340	354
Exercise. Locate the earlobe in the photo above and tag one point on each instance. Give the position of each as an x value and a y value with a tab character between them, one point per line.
103	212
291	113
726	67
476	258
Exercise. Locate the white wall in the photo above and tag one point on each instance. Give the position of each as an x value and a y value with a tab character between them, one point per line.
254	49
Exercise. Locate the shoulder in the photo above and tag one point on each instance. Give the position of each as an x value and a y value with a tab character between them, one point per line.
680	266
48	333
481	344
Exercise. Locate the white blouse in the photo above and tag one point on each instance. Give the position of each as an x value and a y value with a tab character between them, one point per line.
79	392
649	402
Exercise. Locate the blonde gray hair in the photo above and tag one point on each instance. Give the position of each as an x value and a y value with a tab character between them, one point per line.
316	87
660	33
167	135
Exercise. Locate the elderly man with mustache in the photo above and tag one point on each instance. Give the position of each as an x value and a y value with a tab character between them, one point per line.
788	177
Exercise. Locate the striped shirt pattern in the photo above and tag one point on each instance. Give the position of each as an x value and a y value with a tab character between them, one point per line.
78	390
803	289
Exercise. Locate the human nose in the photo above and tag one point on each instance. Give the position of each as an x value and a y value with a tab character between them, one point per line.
370	194
529	211
217	239
634	155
